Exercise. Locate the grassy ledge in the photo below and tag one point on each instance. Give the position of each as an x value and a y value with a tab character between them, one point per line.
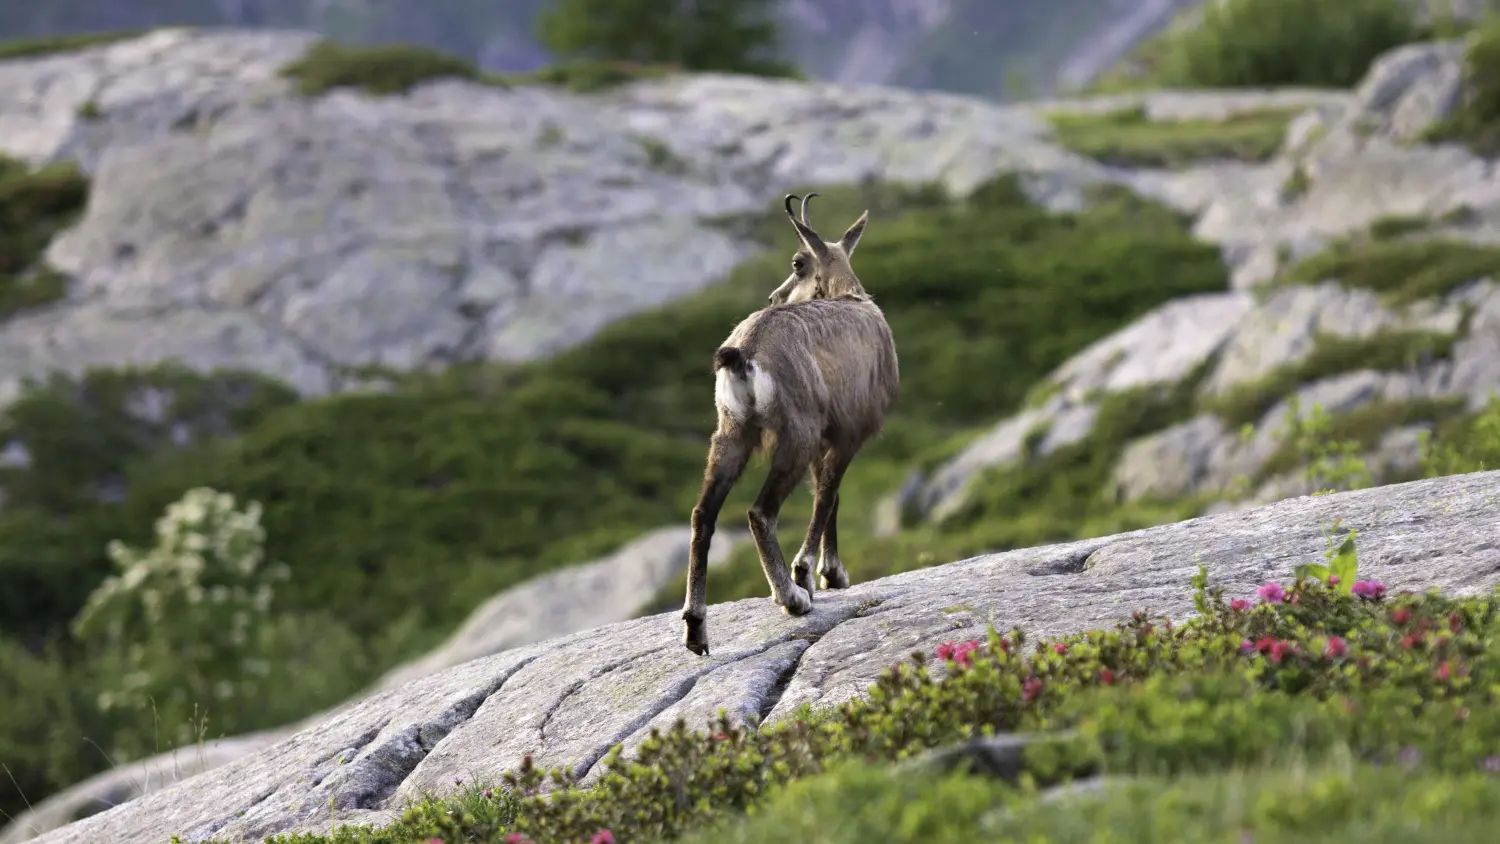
1402	271
35	204
1128	138
1331	355
1345	691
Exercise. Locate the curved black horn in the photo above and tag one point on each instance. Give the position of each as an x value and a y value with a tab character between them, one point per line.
789	211
805	200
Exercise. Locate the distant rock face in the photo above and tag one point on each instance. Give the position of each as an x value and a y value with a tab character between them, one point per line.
233	223
566	701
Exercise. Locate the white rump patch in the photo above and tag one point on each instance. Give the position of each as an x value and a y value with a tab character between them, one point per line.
740	397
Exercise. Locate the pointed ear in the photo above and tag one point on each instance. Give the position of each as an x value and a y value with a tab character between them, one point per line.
852	236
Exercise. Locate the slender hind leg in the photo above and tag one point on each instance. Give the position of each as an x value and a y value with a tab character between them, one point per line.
787	465
831	569
828	473
727	455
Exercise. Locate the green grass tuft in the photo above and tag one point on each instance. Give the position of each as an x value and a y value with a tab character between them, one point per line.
35	204
1128	138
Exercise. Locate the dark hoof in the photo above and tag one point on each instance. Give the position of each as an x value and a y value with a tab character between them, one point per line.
838	579
798	602
695	635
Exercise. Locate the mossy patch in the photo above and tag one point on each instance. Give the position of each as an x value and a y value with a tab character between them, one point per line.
1402	271
1331	355
380	71
47	45
35	204
1128	138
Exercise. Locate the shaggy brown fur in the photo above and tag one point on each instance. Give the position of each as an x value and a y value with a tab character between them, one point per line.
809	378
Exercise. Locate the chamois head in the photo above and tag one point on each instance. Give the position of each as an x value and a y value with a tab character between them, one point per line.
820	269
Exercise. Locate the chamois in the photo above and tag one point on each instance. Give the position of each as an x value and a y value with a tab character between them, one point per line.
808	378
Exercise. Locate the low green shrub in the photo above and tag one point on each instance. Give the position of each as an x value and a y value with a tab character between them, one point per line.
1470	445
1331	668
49	715
1129	138
382	70
35	204
1273	43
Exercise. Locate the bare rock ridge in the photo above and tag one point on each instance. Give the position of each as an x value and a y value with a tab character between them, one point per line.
567	700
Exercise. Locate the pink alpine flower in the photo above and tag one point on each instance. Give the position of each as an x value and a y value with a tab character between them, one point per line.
1370	590
603	836
1336	647
1271	593
1239	605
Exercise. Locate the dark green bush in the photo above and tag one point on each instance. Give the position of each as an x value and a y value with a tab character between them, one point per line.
35	204
382	70
48	717
1306	676
1267	43
82	437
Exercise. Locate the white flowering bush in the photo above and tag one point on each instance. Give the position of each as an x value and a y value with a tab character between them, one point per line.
184	627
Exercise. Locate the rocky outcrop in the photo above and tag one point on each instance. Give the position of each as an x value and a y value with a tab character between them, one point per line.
1362	160
549	606
566	701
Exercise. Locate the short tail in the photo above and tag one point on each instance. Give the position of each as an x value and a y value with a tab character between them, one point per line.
741	389
732	359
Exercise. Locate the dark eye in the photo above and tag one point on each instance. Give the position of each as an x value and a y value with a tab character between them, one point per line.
798	264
